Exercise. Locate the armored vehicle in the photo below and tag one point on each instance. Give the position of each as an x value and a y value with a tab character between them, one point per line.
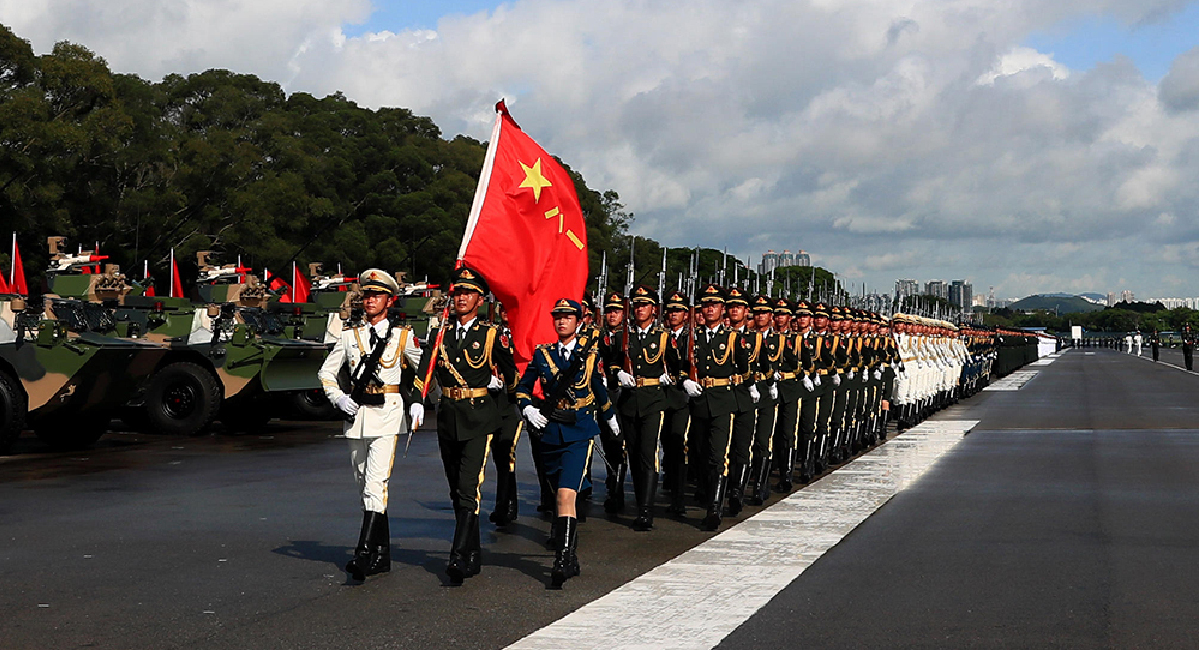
223	358
63	374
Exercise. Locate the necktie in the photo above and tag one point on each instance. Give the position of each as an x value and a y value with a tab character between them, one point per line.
565	353
374	338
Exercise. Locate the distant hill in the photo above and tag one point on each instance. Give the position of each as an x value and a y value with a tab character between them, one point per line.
1063	304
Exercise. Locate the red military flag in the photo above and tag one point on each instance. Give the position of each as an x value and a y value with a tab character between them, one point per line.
16	278
300	286
526	234
176	283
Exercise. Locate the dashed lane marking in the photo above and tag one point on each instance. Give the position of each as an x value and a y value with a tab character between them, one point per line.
695	600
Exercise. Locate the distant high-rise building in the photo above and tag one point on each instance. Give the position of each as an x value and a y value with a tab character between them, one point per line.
1111	298
770	262
905	288
936	288
803	259
961	294
1127	296
786	258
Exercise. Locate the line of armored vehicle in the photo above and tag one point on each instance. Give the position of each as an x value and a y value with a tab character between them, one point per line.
95	348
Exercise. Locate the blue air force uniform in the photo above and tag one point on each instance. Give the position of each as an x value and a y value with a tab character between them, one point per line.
566	447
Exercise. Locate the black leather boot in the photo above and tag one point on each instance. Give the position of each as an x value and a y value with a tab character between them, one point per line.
760	482
803	465
458	568
615	483
380	545
356	567
678	489
513	504
716	506
738	476
474	554
786	470
566	563
505	495
645	501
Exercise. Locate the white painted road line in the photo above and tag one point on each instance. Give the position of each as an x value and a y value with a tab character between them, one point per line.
695	600
1018	378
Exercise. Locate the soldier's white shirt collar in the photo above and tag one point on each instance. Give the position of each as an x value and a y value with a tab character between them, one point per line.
381	328
459	327
567	347
644	330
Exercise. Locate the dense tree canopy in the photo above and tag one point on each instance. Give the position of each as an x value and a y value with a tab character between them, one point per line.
230	162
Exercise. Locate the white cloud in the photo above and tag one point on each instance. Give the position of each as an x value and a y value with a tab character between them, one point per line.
853	129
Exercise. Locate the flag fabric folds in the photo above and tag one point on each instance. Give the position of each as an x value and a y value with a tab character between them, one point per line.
176	283
301	288
16	278
526	234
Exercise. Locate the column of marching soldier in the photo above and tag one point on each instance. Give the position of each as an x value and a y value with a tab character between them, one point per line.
732	390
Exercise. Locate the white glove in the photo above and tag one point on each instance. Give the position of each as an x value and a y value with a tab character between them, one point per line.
817	380
495	384
878	374
416	413
626	380
693	389
613	425
808	385
754	394
666	379
347	405
535	418
774	391
778	376
850	376
836	380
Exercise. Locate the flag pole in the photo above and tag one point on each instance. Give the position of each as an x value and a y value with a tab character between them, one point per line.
476	207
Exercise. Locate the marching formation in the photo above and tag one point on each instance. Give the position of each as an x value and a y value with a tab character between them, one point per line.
721	399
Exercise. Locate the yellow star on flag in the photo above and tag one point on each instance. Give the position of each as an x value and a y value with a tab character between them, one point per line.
534	179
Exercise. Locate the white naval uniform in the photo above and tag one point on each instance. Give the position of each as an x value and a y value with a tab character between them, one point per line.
372	433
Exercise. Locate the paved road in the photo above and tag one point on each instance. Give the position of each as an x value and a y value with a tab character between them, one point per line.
1066	518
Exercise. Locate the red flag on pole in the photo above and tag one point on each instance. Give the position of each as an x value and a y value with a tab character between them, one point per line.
17	276
176	283
526	234
301	288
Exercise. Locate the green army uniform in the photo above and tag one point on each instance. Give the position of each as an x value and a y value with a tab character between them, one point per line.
745	417
806	344
612	445
770	363
839	349
786	423
503	445
468	416
720	359
651	357
677	415
824	365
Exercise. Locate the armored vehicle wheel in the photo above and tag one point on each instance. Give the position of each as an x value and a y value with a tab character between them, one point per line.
70	432
182	399
311	405
12	412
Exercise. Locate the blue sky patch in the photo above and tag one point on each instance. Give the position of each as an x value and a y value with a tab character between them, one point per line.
399	15
1081	44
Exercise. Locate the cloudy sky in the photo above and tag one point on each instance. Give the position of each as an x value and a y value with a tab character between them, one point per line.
1029	145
